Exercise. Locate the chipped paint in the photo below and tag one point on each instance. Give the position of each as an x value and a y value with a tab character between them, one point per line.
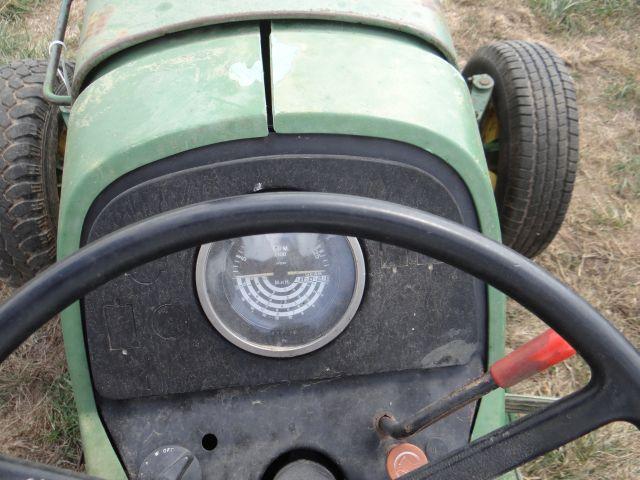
457	352
246	76
123	23
97	21
282	59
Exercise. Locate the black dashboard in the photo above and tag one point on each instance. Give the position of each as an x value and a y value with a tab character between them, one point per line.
164	376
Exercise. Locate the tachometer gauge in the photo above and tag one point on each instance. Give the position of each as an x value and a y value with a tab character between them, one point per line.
282	294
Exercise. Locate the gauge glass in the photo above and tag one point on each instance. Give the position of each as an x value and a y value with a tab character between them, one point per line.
281	294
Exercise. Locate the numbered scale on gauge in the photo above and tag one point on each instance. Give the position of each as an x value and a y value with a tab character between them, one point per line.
283	290
281	294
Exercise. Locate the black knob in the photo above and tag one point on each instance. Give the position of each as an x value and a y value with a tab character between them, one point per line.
304	470
170	463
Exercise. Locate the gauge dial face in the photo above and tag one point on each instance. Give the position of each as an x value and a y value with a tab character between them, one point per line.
281	294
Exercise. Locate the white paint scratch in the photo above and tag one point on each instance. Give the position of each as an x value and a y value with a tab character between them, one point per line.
246	76
282	57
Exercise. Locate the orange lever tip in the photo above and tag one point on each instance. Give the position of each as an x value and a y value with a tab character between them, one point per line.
537	355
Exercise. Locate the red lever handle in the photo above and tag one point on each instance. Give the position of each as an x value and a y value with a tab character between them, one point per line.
534	356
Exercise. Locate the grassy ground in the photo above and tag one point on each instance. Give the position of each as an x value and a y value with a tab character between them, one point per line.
597	251
15	38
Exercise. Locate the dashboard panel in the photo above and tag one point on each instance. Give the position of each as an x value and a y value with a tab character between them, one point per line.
159	365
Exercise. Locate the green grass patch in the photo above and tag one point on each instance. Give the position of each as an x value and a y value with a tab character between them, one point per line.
587	15
556	10
15	41
12	10
610	216
64	431
625	93
627	175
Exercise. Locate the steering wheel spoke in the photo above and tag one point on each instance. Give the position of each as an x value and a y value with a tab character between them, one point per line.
507	448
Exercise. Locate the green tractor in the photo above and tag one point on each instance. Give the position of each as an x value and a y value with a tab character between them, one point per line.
278	232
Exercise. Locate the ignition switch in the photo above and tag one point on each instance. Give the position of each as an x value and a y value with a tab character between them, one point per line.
170	463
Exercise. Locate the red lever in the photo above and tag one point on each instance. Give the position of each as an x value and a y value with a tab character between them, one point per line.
534	356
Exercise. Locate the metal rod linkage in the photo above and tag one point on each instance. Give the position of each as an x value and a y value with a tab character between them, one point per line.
438	409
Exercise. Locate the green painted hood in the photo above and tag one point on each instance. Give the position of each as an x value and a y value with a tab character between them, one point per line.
111	26
206	86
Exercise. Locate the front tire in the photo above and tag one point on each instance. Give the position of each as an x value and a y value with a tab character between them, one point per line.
29	151
530	132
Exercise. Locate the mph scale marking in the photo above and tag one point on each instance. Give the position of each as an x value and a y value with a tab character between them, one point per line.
278	287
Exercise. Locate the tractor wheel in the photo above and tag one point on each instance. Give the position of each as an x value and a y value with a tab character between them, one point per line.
31	147
530	134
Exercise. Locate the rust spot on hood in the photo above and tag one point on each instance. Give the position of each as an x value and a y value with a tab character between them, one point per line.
97	21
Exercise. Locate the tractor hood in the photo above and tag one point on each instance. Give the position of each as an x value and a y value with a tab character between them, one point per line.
111	26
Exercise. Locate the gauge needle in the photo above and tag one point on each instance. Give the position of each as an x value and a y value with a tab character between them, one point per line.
252	275
304	272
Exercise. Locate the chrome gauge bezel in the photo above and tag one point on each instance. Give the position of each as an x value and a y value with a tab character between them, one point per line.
271	350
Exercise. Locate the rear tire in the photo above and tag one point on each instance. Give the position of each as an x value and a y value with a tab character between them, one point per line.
537	146
29	199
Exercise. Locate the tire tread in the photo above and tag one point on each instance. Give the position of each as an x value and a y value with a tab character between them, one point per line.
27	220
541	154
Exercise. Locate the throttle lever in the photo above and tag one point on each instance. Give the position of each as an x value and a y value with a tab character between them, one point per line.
544	351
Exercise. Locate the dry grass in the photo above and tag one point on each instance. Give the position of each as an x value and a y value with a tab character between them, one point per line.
37	415
597	251
26	27
15	39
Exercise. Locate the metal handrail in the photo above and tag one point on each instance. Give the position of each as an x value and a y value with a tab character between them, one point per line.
55	53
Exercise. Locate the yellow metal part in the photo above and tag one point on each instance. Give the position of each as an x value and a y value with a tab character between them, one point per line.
490	132
489	127
493	176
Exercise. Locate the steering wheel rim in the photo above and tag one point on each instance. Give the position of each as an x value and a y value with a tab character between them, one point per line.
614	362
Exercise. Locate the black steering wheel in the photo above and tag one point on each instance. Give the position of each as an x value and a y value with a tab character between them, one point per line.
612	394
